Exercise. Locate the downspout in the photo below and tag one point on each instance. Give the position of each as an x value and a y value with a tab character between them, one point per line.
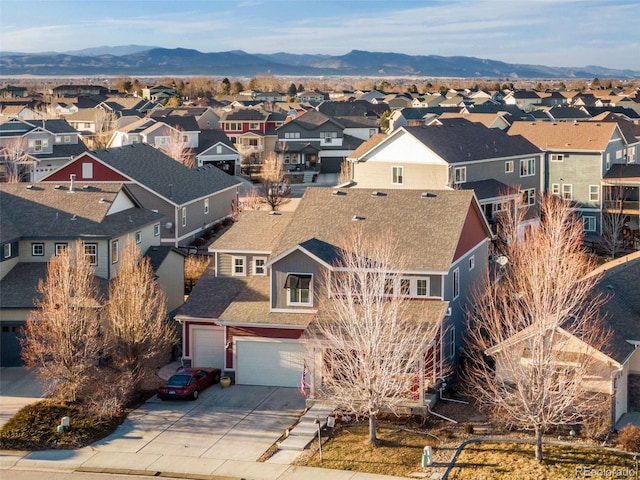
438	415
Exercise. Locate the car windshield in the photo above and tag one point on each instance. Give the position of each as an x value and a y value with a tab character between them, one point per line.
179	380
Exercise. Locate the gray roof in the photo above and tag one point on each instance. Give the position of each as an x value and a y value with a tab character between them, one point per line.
43	211
356	108
158	253
312	119
620	171
490	188
428	227
255	230
212	136
459	140
160	173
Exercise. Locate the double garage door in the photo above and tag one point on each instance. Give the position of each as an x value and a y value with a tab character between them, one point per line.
276	363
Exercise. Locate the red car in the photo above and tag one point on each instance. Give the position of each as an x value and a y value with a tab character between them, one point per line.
188	383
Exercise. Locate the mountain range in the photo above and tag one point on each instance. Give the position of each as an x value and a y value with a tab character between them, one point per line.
144	60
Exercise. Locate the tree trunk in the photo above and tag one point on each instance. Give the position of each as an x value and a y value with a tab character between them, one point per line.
539	444
373	438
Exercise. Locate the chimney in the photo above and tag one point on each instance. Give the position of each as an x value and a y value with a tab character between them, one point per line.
73	182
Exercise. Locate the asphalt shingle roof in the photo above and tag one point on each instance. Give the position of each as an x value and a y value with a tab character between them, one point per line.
587	136
255	231
152	168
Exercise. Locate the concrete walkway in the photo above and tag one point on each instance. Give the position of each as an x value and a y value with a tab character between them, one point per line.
18	388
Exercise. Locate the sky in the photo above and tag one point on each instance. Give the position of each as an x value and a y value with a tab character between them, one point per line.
570	33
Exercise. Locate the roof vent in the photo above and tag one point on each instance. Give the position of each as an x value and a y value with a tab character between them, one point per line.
378	194
74	217
338	193
86	187
274	213
357	218
428	195
31	187
59	187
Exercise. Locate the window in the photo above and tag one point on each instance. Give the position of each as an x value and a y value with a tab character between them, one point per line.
298	286
594	193
589	224
156	230
218	148
388	286
326	135
206	206
184	216
460	175
60	248
67	139
87	170
508	166
405	287
138	236
567	191
529	197
397	175
456	283
618	154
37	249
422	287
114	251
472	262
291	134
556	157
254	126
233	126
7	250
259	266
91	253
608	163
239	266
528	167
555	189
452	342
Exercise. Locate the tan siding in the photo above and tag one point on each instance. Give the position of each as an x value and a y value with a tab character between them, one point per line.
416	176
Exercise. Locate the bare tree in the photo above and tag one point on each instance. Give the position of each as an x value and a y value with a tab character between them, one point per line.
373	346
62	336
252	200
613	220
535	327
177	147
136	317
105	125
345	172
274	189
16	162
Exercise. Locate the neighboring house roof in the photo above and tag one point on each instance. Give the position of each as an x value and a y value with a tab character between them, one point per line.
212	136
428	227
245	115
487	119
620	171
370	144
357	108
254	231
490	188
630	131
160	173
59	213
158	253
568	113
566	136
313	119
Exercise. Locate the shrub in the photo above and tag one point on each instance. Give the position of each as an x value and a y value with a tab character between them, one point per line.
629	438
34	427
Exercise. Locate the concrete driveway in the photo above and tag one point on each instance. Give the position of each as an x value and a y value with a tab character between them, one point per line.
18	388
237	423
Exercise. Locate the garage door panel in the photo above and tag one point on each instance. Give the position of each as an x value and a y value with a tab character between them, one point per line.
270	363
208	347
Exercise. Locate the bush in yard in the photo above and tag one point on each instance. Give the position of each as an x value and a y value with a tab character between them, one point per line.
34	427
629	438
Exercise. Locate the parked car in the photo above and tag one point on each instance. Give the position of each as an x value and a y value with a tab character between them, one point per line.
187	383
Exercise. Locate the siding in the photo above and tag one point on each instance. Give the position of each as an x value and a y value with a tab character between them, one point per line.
225	263
296	262
416	176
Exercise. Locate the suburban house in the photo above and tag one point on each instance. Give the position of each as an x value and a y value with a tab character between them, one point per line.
524	99
614	368
157	132
215	148
250	309
315	141
578	156
453	153
191	199
41	146
39	220
252	130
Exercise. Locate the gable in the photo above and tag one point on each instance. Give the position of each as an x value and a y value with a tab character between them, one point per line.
120	203
473	232
99	171
405	148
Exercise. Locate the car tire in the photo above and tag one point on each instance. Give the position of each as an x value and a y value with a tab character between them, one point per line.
216	379
195	394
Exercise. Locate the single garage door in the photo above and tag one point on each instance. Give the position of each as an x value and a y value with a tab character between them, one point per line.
274	363
208	347
10	344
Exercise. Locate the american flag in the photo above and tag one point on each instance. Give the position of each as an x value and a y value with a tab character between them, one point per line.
303	380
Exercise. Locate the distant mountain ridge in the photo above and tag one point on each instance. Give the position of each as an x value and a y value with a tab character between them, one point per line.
142	60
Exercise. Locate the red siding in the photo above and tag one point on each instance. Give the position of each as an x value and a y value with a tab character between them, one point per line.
258	332
473	232
101	172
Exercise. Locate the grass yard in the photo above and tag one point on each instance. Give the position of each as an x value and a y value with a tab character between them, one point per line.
400	454
514	461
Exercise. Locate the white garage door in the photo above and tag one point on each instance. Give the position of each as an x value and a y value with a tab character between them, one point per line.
208	347
275	363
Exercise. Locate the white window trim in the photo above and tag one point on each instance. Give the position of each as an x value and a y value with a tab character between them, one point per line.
139	236
530	172
401	176
243	273
414	287
7	250
508	166
452	342
556	157
298	304
84	249
60	247
456	283
460	175
33	249
472	262
555	189
531	197
114	258
597	193
255	267
587	220
570	185
206	206
156	230
184	216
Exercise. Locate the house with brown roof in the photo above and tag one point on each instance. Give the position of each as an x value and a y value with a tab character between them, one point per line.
39	220
250	310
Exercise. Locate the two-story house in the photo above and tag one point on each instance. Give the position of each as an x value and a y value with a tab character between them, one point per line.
578	156
248	312
453	153
40	220
41	146
252	130
191	199
157	132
